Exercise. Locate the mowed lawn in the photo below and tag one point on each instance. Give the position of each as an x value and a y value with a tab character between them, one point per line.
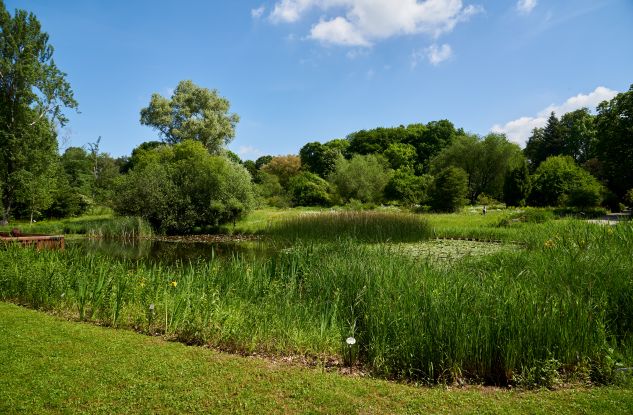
49	365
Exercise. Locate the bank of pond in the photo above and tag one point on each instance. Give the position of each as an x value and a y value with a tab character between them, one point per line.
553	306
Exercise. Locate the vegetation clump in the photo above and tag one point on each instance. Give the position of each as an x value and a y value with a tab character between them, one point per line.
362	226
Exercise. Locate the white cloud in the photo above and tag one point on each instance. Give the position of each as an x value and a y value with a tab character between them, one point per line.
526	6
258	12
436	54
249	152
519	130
362	22
338	31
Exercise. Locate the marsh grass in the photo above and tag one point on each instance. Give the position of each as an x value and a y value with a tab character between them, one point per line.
99	226
499	318
362	226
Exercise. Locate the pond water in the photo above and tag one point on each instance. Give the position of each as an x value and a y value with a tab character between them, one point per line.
169	251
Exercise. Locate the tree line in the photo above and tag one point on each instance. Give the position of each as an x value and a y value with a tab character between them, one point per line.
186	179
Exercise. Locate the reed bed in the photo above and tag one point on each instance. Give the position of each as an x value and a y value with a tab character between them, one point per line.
362	226
561	306
105	227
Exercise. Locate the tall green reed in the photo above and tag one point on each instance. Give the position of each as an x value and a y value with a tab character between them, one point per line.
365	226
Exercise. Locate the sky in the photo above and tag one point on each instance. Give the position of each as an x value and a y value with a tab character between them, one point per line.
297	71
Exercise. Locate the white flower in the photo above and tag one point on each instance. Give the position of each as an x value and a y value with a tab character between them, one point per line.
151	307
351	341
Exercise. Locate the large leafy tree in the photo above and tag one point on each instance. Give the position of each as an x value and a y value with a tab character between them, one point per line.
485	161
318	158
33	94
614	125
192	113
362	178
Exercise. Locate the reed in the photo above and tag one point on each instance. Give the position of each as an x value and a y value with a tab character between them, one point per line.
362	226
562	304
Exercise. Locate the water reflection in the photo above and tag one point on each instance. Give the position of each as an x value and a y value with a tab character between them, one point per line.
170	251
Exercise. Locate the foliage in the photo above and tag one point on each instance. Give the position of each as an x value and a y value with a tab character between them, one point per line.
628	198
406	187
517	185
558	181
33	92
449	190
486	162
192	113
401	155
614	124
427	140
182	187
308	189
284	167
318	158
362	178
545	142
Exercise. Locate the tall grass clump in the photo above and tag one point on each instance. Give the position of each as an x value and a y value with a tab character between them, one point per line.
363	226
562	305
120	227
104	226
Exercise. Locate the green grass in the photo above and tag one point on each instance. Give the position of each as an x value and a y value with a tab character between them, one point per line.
561	301
54	366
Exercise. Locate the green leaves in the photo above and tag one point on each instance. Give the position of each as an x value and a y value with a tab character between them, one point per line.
192	113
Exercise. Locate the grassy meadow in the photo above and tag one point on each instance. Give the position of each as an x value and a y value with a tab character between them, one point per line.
549	309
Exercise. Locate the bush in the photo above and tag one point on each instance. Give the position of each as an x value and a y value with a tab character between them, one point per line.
363	178
449	190
404	186
308	189
182	187
559	181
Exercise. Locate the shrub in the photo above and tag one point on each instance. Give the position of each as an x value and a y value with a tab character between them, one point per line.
449	190
559	181
308	189
182	187
406	187
363	178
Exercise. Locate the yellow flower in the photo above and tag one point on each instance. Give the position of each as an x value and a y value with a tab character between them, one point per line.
173	283
549	243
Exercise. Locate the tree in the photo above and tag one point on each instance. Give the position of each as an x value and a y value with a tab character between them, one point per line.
33	93
284	167
579	135
486	162
401	155
192	113
517	185
318	158
545	142
407	188
181	187
559	181
308	189
614	125
449	190
362	178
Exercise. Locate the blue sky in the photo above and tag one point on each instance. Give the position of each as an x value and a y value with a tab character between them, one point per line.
313	70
